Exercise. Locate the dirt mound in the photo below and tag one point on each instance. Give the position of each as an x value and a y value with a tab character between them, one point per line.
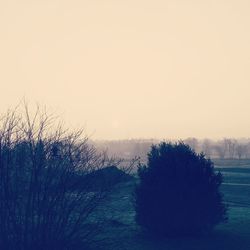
109	176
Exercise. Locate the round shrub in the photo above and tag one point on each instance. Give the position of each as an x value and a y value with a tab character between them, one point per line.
178	193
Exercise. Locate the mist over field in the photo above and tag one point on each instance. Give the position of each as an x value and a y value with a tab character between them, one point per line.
226	148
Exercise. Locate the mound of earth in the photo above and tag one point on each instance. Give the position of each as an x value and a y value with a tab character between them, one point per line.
104	178
109	176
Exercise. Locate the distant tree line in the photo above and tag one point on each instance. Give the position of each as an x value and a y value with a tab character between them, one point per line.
226	148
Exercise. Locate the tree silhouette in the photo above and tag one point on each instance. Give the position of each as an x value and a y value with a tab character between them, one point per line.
47	201
178	193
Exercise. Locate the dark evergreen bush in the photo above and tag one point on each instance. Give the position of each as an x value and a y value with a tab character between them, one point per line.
178	193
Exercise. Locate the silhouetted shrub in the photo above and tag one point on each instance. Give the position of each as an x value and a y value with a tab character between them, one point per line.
178	193
46	201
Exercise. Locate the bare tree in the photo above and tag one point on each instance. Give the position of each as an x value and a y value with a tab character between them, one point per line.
221	149
231	145
48	198
207	147
247	150
241	150
192	142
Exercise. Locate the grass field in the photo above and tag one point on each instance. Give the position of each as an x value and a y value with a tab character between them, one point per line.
122	232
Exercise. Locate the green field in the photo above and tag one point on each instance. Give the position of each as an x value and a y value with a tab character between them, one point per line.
122	233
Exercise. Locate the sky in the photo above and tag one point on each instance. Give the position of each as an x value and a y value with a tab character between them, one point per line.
131	68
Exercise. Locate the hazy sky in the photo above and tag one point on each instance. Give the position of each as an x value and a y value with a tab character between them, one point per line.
131	68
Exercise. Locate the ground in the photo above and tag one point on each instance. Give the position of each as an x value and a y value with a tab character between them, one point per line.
123	234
